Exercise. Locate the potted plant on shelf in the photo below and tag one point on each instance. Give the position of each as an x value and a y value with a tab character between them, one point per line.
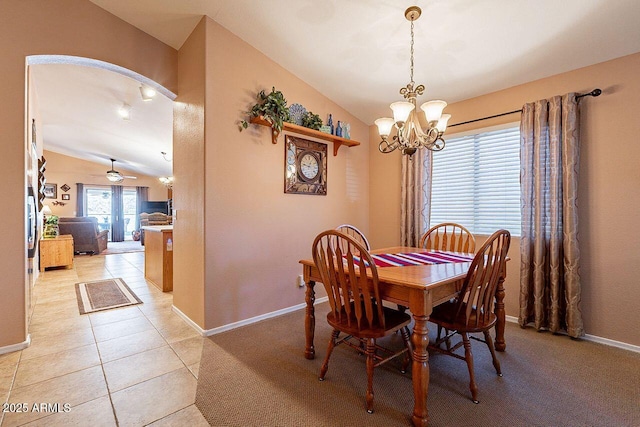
51	226
311	121
271	107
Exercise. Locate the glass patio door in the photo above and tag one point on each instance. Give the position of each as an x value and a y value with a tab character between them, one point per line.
98	205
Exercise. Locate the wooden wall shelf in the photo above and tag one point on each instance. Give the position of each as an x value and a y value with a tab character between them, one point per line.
290	127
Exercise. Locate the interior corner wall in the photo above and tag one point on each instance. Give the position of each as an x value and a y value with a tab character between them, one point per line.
189	227
63	27
609	200
256	234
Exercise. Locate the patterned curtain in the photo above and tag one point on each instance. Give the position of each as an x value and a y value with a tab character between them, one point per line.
117	218
142	195
549	159
79	199
416	196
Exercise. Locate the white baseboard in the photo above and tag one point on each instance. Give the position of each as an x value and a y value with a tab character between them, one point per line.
188	320
15	347
230	326
599	340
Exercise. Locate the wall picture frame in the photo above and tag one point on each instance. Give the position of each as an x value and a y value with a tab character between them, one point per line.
66	197
305	166
50	191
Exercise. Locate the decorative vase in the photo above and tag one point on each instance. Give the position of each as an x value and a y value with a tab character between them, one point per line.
51	231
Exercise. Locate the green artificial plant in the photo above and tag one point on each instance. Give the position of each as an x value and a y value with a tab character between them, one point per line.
272	107
311	121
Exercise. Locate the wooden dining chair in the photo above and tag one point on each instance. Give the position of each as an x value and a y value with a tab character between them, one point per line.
448	236
358	235
350	278
473	310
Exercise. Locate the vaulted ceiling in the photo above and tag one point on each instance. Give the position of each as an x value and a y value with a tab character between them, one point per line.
356	52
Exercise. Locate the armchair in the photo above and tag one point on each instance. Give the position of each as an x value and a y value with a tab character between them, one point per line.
86	235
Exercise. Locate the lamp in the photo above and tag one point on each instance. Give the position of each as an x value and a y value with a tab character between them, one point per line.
147	93
114	175
410	135
167	181
46	210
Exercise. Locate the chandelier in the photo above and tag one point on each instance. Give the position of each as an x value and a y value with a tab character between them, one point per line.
410	135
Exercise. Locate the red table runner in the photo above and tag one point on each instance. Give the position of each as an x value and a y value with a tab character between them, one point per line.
418	258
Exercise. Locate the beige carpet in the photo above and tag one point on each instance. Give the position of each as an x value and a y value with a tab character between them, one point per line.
104	294
257	376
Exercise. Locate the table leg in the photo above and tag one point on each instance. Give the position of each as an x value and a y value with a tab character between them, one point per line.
501	345
310	320
420	370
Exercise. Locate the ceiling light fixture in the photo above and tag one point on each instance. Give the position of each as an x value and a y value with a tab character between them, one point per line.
114	175
125	111
167	181
147	93
410	135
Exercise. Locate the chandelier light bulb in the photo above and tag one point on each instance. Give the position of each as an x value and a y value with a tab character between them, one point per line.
384	126
442	123
401	111
433	110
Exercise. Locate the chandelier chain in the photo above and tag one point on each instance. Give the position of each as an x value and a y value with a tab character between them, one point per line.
412	82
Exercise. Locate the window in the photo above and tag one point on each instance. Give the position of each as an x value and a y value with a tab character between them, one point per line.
98	205
476	181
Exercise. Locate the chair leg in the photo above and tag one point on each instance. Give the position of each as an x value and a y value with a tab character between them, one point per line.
496	362
371	350
407	343
332	344
402	308
469	358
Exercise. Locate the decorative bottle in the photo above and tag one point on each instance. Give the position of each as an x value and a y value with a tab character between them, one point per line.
339	129
330	124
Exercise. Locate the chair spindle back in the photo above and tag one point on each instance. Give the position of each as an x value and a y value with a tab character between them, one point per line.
449	236
356	296
358	235
478	291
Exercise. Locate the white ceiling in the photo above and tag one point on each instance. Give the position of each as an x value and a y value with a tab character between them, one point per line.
355	52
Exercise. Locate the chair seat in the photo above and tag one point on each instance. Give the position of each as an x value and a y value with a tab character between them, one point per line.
445	316
393	319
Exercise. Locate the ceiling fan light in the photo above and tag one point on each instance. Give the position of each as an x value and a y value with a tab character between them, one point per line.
114	176
401	111
433	109
384	125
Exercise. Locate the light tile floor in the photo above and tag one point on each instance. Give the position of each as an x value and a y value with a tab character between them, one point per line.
133	366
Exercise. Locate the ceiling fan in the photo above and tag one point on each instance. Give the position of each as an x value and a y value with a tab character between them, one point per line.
115	176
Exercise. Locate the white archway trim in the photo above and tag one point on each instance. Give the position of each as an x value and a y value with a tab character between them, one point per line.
95	63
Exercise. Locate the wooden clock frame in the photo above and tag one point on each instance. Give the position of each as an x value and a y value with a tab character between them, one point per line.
294	182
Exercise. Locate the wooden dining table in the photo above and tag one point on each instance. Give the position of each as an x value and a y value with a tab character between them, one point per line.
420	288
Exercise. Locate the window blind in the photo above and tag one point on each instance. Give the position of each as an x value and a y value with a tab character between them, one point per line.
476	182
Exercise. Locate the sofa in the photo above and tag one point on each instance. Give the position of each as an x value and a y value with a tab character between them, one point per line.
87	237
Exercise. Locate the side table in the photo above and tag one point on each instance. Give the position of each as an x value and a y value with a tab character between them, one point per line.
56	252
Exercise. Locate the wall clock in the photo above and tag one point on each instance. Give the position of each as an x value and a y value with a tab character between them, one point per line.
305	169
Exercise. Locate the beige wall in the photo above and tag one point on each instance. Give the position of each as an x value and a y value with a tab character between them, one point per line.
68	170
609	198
256	234
189	227
63	27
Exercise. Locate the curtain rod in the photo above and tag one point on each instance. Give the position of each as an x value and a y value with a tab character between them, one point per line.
595	92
